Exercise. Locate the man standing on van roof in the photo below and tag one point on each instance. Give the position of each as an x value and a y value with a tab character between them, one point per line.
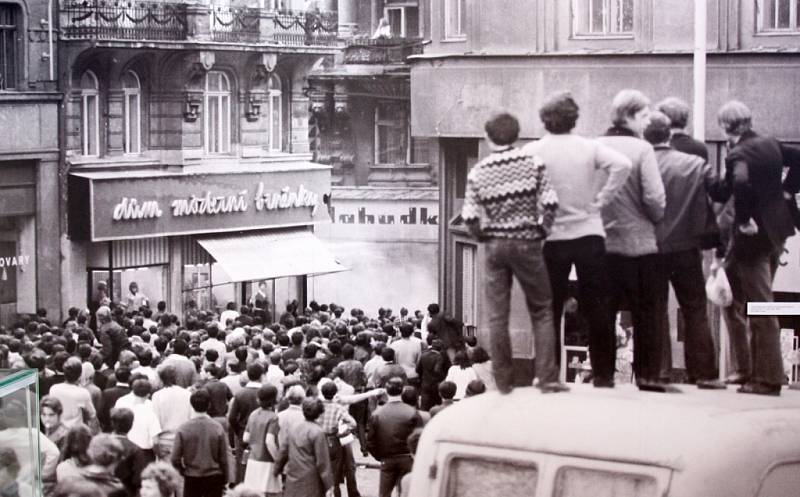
510	206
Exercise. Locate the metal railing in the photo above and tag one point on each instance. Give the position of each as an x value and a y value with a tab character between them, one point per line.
234	25
123	20
298	28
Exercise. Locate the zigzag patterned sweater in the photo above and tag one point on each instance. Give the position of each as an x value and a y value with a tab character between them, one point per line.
510	194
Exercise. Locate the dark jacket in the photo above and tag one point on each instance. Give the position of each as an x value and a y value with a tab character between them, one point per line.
109	398
753	177
201	448
130	467
113	338
688	219
244	402
389	427
688	145
432	369
448	330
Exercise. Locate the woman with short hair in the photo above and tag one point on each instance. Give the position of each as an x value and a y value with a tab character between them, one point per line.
160	479
73	455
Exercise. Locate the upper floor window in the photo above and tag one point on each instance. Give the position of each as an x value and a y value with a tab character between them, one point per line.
9	46
132	91
217	103
602	17
391	134
275	110
403	19
90	114
455	19
778	15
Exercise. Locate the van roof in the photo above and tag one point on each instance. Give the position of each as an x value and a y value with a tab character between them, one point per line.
670	430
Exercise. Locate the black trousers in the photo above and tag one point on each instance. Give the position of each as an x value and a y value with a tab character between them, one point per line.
204	486
633	283
588	255
684	270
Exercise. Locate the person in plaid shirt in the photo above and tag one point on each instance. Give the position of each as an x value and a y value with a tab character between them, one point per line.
510	206
333	415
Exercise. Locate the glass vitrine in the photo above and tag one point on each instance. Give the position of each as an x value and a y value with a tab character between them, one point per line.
20	466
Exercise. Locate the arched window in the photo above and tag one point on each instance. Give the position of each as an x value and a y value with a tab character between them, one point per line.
275	110
217	113
90	114
132	90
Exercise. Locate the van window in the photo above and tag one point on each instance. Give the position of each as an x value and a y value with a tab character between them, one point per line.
471	477
782	480
582	482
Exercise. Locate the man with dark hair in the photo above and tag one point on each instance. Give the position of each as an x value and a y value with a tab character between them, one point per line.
244	402
200	452
304	457
390	368
172	407
677	111
334	415
185	370
408	350
219	392
687	221
389	427
510	206
213	343
133	460
447	391
112	336
296	351
575	166
431	369
110	396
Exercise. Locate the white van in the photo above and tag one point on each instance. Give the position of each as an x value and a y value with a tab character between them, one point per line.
612	443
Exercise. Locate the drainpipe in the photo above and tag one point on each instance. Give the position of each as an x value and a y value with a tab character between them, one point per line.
50	37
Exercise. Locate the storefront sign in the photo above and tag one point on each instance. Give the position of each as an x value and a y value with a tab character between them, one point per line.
14	260
119	206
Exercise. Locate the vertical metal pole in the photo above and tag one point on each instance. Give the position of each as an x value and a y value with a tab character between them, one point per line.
699	114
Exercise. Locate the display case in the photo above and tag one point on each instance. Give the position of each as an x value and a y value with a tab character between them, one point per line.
20	467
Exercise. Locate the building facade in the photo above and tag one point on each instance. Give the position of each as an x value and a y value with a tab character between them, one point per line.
510	54
29	154
187	167
384	198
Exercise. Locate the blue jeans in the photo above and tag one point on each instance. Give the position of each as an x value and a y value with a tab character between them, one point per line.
522	259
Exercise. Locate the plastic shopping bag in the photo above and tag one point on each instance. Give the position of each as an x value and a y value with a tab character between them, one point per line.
718	289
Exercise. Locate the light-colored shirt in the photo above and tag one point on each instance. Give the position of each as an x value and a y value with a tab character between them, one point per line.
226	315
172	407
145	422
371	369
74	401
406	354
461	377
586	175
214	344
19	440
150	373
288	419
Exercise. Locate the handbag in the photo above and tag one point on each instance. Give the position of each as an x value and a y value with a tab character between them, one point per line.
718	288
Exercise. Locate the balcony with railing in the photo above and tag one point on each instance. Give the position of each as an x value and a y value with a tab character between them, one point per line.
381	50
172	21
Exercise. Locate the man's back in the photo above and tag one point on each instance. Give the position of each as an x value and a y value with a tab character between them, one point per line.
407	353
432	368
389	428
76	403
686	216
200	448
172	407
244	402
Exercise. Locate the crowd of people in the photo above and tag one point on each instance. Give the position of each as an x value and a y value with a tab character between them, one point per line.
632	211
145	404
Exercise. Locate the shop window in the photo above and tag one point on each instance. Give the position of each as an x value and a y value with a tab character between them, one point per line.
459	157
274	97
778	15
403	20
90	114
455	19
217	113
132	90
391	134
602	17
9	45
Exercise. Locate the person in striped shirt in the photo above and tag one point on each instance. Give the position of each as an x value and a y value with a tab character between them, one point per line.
510	206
